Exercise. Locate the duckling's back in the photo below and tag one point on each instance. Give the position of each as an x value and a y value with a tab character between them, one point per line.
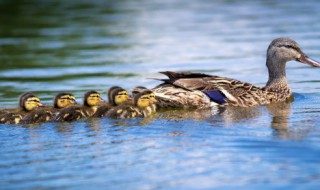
37	116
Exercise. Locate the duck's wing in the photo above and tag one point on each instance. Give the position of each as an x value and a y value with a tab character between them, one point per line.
37	116
69	114
220	90
11	118
125	111
102	110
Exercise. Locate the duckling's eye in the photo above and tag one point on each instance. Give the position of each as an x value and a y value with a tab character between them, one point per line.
37	101
144	98
123	93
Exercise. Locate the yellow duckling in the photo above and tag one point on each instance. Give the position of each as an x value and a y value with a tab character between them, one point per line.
116	96
91	100
139	89
61	100
28	105
14	110
140	107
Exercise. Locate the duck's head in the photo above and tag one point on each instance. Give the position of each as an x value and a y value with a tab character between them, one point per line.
144	99
64	99
117	95
29	101
137	90
282	50
92	98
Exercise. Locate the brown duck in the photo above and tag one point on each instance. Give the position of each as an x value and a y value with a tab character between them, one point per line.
197	90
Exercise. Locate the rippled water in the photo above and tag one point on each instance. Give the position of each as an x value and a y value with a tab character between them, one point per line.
76	46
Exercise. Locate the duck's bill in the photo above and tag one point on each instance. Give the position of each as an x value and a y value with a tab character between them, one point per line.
307	60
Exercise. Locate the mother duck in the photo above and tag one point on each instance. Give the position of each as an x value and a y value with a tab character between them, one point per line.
198	90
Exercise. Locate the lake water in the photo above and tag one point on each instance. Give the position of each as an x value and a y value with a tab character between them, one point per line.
78	46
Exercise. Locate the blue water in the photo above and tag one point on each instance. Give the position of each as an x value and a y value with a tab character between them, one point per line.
48	47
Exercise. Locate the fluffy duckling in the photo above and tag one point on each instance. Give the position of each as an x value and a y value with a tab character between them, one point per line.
60	101
139	89
14	110
140	107
116	96
28	104
91	100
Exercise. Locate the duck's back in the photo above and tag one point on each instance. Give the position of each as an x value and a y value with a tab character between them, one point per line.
71	113
37	116
124	111
11	118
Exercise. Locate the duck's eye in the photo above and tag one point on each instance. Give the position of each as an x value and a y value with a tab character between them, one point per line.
37	101
123	93
144	98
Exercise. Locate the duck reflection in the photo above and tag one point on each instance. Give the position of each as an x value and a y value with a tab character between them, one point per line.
188	114
280	115
229	116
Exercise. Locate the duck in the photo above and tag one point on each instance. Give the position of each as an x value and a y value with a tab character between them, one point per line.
139	89
47	113
91	100
61	100
116	96
199	90
29	104
14	110
140	106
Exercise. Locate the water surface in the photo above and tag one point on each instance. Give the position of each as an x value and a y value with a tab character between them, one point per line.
48	47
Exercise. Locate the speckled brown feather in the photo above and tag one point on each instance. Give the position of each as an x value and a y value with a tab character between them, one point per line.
37	116
187	91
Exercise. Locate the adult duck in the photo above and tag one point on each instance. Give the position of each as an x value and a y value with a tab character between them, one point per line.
197	90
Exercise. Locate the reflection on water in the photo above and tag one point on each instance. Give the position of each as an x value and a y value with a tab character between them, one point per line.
48	47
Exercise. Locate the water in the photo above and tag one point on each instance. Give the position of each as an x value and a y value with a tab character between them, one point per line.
78	46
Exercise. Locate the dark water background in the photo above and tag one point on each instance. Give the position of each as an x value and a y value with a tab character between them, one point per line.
48	47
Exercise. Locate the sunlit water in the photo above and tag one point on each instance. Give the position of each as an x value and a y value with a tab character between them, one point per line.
52	47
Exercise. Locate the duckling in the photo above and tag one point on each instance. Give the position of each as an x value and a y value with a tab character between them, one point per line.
90	101
138	89
116	96
62	100
28	104
139	107
14	110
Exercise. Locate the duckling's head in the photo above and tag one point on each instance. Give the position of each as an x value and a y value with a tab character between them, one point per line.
144	99
92	98
138	89
282	50
118	96
64	99
110	91
29	102
153	98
